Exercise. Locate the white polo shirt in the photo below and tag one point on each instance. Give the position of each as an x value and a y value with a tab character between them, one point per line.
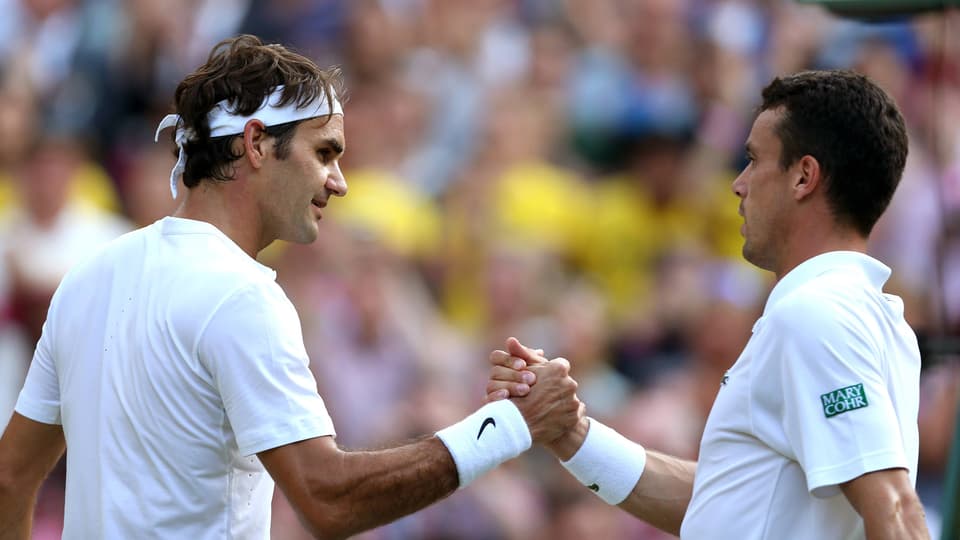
826	390
171	358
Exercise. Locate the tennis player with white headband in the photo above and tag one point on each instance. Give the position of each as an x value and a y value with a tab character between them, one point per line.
174	364
224	121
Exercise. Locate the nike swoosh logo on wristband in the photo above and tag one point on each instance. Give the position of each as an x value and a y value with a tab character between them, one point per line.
489	421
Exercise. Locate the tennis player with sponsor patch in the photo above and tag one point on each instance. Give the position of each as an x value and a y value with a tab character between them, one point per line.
813	434
172	365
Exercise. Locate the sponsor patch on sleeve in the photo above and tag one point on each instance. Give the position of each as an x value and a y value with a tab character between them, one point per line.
843	400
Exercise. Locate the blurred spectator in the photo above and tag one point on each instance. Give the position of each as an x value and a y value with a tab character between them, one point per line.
50	228
145	185
649	211
583	337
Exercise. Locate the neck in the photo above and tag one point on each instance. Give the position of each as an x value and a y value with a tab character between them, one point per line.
811	242
223	205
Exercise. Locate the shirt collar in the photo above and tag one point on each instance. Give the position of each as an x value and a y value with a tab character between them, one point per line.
875	271
177	225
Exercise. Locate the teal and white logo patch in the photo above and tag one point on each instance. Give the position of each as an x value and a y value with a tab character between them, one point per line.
843	400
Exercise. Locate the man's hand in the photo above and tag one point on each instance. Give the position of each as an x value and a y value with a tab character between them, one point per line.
509	376
548	395
551	408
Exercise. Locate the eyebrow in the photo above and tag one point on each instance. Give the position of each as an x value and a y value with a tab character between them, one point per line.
335	144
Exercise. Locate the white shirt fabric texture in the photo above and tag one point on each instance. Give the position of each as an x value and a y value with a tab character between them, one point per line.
171	358
826	390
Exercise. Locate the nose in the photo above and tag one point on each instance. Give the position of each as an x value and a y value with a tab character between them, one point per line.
336	183
739	186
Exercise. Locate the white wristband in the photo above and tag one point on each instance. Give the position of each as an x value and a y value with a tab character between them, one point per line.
608	463
495	433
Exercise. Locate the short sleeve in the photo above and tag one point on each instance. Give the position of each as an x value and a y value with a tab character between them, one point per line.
838	413
253	349
39	399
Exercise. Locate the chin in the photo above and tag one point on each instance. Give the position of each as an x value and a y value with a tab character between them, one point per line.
305	235
756	258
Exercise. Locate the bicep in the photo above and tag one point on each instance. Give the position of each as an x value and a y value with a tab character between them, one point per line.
293	465
29	450
887	503
312	475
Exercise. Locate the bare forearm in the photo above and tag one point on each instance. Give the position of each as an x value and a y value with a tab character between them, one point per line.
16	514
888	504
378	487
663	492
661	495
900	531
902	521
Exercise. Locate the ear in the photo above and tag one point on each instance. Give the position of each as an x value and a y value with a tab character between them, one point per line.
255	142
808	177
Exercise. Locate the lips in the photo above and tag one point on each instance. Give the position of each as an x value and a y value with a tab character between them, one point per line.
318	204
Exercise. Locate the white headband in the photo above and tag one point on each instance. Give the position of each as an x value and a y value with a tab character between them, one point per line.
225	122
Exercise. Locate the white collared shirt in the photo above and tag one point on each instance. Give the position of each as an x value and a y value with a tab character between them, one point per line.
826	390
171	358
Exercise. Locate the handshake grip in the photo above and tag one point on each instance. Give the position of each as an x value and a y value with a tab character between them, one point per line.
604	461
551	408
544	411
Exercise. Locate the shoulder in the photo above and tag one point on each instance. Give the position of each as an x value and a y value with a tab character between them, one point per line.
834	307
831	295
252	306
255	321
104	259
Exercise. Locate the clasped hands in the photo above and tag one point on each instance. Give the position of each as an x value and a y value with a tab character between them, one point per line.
543	391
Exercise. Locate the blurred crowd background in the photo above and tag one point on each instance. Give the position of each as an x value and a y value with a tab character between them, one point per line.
555	170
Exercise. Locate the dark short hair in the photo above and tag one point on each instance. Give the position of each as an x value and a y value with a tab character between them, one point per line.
245	71
855	132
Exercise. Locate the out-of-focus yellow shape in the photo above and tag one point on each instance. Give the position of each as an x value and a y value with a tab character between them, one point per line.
394	211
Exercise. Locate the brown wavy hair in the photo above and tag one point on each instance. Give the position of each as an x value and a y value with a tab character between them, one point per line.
244	71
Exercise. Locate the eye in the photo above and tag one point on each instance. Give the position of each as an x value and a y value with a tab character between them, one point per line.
324	154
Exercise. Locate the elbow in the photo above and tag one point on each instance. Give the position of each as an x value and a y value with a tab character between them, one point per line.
330	515
329	523
8	483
